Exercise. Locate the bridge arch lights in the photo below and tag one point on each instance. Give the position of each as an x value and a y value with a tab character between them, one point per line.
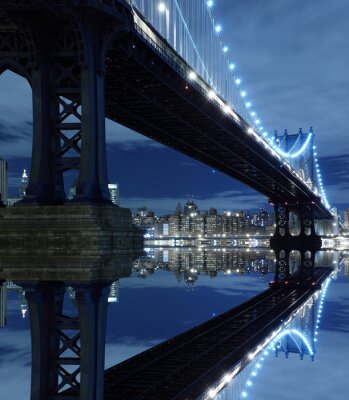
287	331
266	348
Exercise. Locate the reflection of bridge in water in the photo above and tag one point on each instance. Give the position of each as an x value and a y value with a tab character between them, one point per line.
187	366
199	355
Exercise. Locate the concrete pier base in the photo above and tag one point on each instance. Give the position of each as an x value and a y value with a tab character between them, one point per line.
61	242
76	228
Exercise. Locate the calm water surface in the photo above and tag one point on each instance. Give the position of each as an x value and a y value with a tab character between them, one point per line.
171	290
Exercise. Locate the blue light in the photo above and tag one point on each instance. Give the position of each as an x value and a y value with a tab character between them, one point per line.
299	152
238	81
232	66
248	104
243	93
210	3
225	49
218	28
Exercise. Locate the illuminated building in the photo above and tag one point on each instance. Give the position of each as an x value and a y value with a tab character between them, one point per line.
346	218
3	181
24	184
114	193
114	292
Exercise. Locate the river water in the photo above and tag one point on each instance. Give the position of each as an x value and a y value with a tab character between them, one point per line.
172	290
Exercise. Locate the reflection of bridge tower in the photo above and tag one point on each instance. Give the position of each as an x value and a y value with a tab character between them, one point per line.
67	352
299	337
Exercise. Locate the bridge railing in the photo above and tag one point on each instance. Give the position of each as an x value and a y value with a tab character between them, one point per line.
189	27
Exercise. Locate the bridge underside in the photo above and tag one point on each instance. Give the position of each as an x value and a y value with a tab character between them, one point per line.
148	93
186	366
107	61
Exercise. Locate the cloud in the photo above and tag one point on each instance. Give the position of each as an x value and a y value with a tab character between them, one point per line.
292	56
15	364
16	122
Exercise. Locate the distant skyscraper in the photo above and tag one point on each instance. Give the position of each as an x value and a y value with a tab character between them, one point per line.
346	218
24	183
114	292
114	193
3	181
3	305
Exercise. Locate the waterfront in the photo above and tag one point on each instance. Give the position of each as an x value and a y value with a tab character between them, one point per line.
170	293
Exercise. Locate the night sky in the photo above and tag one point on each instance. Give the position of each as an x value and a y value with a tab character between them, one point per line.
292	57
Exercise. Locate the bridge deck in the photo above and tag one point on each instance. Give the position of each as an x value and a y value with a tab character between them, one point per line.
147	90
185	366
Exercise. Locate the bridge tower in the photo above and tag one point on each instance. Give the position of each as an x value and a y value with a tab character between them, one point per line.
288	239
61	49
295	221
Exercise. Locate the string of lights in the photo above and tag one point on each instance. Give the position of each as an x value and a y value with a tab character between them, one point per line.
290	332
203	46
287	155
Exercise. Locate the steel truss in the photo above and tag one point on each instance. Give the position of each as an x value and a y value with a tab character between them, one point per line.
63	56
67	352
307	242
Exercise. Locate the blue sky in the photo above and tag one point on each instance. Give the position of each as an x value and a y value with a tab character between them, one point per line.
292	57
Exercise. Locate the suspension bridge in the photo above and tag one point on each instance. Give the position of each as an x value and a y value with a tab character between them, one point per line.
161	68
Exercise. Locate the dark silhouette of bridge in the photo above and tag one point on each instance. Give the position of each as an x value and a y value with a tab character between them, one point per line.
187	366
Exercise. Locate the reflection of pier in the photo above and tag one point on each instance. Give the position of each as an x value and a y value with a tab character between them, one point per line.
68	350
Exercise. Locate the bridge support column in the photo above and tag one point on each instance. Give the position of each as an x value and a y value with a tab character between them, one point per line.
282	218
67	79
307	243
92	303
67	352
45	301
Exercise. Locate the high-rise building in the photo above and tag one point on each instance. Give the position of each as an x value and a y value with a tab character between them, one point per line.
346	218
3	181
22	189
24	184
114	193
3	305
114	292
